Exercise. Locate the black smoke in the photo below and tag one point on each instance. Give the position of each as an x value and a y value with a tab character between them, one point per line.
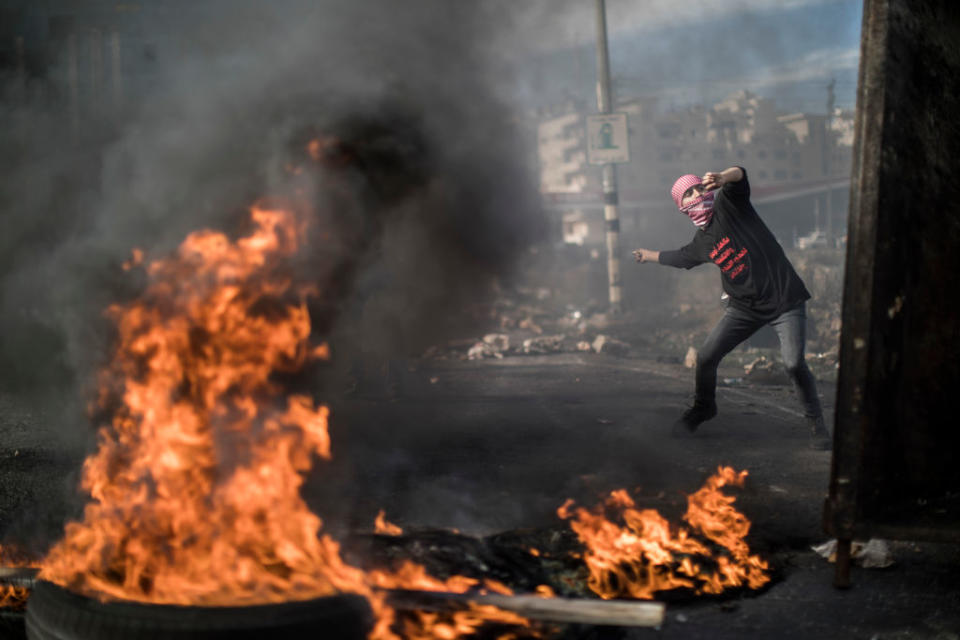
426	198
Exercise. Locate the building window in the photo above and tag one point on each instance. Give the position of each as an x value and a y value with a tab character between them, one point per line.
797	175
780	154
761	154
717	154
741	154
780	174
762	174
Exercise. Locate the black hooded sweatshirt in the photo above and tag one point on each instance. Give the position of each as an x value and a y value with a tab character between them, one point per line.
755	272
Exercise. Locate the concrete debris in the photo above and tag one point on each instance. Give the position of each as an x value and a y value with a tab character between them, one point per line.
583	345
611	346
499	341
543	344
824	364
493	345
760	363
763	370
690	360
598	321
529	324
572	323
482	350
873	554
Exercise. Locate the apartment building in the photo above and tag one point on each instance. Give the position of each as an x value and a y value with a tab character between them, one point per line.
789	155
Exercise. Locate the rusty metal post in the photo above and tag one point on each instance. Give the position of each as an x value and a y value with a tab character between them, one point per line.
853	413
841	578
896	436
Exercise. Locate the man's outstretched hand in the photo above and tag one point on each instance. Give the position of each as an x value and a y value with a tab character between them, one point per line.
646	255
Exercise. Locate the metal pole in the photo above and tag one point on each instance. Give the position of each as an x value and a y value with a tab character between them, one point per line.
610	199
828	162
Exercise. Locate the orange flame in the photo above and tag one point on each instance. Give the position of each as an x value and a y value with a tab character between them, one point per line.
545	591
195	484
384	527
14	597
135	260
645	554
423	625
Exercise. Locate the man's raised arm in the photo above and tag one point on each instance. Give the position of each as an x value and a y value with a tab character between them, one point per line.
714	180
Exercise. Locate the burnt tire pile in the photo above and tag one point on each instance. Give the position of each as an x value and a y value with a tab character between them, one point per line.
54	613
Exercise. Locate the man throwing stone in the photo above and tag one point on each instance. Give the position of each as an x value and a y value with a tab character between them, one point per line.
762	286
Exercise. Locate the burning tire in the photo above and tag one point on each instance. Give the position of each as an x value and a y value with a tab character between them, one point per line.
54	613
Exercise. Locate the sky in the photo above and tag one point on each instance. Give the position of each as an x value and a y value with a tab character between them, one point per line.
693	51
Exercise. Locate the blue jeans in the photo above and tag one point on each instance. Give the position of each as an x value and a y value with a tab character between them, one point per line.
735	327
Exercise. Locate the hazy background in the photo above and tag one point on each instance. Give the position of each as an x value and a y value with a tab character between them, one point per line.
214	97
437	102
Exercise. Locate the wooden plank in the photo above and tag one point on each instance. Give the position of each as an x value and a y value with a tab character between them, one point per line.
619	613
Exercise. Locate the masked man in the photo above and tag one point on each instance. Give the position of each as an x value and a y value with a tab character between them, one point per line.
761	285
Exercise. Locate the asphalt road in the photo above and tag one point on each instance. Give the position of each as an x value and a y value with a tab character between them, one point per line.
497	445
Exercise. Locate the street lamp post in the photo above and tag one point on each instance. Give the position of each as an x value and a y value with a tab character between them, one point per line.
610	198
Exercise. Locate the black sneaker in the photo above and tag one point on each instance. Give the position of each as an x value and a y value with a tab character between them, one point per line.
820	439
692	417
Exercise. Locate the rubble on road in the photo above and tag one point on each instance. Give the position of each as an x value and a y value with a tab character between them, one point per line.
527	326
873	554
690	360
824	365
543	344
493	345
605	344
566	317
498	345
764	370
481	350
499	341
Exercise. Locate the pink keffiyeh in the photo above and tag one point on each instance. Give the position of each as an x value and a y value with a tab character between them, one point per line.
699	210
